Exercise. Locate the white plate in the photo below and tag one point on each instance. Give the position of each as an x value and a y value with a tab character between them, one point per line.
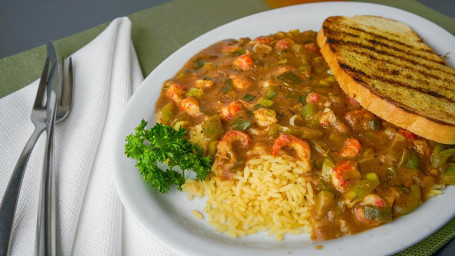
168	217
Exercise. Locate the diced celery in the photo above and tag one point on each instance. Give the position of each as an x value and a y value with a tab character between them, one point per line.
195	93
270	93
308	110
372	176
324	201
327	168
265	102
378	213
168	112
211	149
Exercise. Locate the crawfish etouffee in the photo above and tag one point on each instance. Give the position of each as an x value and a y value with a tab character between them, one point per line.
271	115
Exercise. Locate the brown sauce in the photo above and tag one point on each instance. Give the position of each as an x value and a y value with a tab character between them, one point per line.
275	95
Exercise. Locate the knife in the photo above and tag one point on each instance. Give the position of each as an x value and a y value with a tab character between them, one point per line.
45	228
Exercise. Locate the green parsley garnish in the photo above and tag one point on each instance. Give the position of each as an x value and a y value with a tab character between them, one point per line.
163	144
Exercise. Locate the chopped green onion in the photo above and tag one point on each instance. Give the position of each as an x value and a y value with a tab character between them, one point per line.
303	99
228	85
239	52
289	78
375	125
248	97
198	63
241	124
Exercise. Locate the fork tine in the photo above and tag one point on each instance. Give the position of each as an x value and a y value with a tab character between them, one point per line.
42	85
62	89
67	84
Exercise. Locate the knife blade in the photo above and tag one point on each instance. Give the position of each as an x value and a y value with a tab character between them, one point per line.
45	228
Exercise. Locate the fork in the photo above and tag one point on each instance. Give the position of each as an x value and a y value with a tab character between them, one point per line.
46	229
38	118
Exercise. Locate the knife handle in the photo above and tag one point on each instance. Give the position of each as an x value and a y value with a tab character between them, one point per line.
9	201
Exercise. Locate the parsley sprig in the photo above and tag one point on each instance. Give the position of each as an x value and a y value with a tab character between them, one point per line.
163	144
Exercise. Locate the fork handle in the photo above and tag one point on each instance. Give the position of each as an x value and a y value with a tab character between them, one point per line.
9	201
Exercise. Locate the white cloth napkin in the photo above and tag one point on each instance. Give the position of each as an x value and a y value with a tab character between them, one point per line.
91	219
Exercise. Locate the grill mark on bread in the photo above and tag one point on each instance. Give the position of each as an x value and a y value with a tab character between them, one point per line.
356	72
377	92
419	62
337	35
341	27
423	72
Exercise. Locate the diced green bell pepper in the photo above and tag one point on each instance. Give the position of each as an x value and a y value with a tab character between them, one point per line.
212	127
408	202
441	158
359	191
448	176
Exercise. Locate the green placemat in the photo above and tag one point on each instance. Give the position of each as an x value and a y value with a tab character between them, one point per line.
157	32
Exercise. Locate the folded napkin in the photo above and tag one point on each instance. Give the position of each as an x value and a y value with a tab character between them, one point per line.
91	219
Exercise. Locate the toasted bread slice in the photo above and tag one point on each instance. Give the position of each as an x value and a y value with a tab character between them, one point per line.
390	71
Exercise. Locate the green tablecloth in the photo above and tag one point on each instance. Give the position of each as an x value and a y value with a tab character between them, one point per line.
159	31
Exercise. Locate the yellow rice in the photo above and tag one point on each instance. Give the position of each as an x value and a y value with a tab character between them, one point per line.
270	194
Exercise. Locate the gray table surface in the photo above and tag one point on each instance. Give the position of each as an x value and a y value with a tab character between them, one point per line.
22	23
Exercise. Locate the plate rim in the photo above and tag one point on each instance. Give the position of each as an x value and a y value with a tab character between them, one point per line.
119	182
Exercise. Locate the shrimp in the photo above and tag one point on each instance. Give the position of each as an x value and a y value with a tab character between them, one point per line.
191	106
175	92
327	117
231	110
351	148
312	47
225	157
239	82
284	44
302	148
202	83
344	175
244	62
262	40
318	99
372	200
265	116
